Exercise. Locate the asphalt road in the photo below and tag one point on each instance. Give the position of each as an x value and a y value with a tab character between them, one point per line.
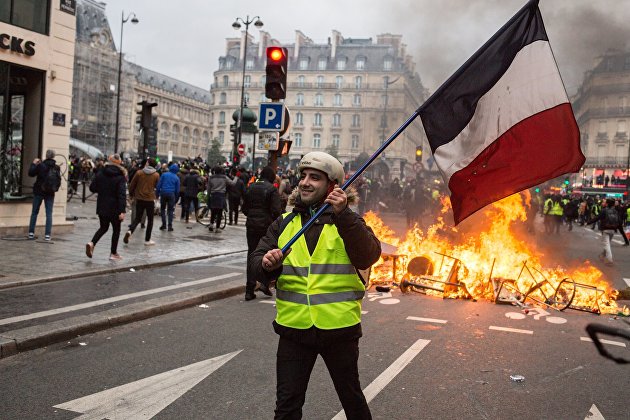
458	365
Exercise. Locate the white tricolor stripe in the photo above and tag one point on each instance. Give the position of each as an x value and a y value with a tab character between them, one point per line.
514	330
531	85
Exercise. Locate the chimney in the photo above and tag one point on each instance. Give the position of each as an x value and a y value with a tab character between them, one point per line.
336	40
264	42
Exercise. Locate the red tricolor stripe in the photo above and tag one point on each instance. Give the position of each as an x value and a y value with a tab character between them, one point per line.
503	122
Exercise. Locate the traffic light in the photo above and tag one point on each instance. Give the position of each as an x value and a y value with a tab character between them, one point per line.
152	143
145	114
566	181
236	159
276	73
537	190
418	153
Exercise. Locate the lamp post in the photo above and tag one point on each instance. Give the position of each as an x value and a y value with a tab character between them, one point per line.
384	118
123	20
236	25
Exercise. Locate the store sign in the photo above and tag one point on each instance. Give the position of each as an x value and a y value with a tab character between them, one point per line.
68	6
18	45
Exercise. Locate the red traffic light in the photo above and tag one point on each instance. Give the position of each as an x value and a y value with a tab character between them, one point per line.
275	53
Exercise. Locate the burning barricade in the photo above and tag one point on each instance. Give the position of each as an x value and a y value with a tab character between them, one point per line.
495	262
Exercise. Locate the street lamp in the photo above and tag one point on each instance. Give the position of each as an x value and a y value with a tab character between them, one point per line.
236	25
123	20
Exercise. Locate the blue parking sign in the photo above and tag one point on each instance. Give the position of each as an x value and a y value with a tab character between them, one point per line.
271	116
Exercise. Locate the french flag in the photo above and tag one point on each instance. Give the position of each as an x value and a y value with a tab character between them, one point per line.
503	122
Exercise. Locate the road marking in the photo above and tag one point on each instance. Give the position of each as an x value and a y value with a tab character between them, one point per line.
617	241
612	343
146	397
594	414
437	321
390	373
94	303
271	302
627	281
515	330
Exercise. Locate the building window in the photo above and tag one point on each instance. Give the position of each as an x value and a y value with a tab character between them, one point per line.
335	140
246	98
223	98
356	100
319	100
249	63
163	133
356	120
360	63
317	141
299	99
337	99
341	63
339	82
298	140
206	139
603	127
301	80
357	82
262	97
248	81
31	15
221	137
318	120
229	64
337	120
222	117
355	141
175	133
621	126
321	64
195	138
186	135
211	118
303	63
263	80
320	82
226	81
387	64
299	119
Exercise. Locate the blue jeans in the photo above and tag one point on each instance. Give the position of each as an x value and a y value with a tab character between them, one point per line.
167	199
48	200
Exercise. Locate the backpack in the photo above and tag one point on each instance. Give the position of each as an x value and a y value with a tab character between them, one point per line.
610	219
52	180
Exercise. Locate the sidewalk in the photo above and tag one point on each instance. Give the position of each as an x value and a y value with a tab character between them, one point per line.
29	262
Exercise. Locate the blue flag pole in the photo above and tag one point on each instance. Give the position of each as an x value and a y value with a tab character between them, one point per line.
351	179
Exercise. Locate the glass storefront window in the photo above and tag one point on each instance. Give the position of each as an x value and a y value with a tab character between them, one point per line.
27	14
21	93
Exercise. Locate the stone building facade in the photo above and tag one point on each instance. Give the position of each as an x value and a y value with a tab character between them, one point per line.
347	94
602	109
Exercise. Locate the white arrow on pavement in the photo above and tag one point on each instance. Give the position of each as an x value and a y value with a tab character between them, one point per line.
146	397
594	414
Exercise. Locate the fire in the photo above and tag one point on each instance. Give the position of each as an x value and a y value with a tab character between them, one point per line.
491	250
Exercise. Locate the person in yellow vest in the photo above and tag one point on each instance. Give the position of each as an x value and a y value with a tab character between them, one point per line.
547	216
319	287
556	213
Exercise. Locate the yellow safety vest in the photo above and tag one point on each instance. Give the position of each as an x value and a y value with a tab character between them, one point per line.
628	214
322	289
556	209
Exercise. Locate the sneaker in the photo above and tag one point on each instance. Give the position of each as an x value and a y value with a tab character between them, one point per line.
127	236
149	243
265	290
89	249
250	296
31	236
210	228
47	238
115	257
162	227
170	228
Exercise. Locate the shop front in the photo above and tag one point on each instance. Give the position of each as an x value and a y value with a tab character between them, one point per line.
36	63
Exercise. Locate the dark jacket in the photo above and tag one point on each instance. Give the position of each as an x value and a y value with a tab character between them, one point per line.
237	190
362	246
111	186
40	170
261	205
191	184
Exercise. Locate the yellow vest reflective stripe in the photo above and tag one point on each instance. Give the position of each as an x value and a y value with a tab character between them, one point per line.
322	289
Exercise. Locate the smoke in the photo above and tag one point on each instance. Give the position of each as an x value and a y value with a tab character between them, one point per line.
442	35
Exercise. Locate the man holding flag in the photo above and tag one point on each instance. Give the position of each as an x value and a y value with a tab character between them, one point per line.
319	288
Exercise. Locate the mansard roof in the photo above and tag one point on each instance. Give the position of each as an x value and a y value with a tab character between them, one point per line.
168	84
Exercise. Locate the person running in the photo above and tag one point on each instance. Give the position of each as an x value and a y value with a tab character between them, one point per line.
318	289
111	186
142	189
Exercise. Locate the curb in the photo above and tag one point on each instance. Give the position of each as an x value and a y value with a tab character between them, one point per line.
29	338
75	275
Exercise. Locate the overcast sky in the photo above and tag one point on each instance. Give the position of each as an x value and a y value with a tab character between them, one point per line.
184	39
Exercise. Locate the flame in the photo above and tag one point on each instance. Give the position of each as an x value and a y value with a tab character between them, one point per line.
492	249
